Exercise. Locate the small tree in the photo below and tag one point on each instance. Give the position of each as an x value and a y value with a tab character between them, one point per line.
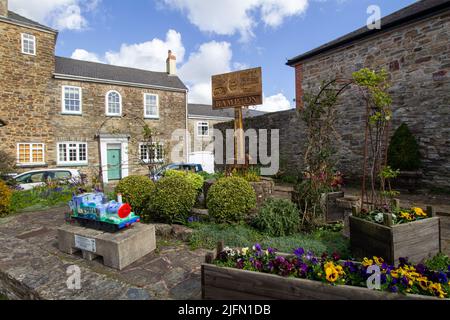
403	153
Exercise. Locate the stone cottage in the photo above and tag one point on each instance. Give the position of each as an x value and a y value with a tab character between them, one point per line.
61	112
413	45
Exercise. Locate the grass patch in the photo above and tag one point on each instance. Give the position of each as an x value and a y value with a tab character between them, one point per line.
40	199
207	235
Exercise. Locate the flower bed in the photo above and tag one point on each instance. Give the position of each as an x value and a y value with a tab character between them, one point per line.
264	274
407	233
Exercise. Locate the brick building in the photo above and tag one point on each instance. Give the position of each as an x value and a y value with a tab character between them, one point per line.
62	112
413	45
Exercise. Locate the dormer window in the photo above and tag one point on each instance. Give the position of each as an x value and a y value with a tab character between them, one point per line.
28	44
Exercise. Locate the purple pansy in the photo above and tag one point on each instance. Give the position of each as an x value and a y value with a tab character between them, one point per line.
299	252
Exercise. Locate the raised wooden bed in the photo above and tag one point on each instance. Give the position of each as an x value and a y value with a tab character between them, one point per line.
416	240
220	283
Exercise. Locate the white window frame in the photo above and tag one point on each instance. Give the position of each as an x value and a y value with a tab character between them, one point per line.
33	39
147	159
63	101
199	125
78	162
146	116
30	163
107	104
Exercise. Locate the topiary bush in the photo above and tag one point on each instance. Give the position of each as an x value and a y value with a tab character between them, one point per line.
136	190
5	199
403	152
230	199
278	218
195	179
173	199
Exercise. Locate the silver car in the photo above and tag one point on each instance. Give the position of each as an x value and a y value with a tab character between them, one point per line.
37	178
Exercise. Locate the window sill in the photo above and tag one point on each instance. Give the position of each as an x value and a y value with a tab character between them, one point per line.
31	165
71	114
151	118
114	115
60	165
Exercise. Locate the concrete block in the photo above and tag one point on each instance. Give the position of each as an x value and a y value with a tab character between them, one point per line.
118	250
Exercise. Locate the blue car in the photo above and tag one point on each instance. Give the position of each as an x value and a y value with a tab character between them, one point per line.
196	168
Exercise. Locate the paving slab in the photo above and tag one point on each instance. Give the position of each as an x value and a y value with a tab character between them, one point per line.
32	267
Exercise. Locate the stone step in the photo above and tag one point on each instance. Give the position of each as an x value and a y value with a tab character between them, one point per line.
281	195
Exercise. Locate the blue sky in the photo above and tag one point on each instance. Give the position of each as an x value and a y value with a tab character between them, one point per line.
208	36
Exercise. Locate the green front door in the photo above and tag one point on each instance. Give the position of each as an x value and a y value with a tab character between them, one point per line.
114	165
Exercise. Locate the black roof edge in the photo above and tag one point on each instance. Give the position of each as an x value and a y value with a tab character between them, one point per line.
28	22
386	27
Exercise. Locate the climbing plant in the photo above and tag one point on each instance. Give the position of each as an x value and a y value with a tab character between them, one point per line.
373	87
319	117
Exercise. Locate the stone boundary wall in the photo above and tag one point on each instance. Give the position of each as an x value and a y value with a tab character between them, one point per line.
417	58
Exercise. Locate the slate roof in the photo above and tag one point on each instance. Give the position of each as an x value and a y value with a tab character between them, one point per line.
207	111
14	17
100	71
416	11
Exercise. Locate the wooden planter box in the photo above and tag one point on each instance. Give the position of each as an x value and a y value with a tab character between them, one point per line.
220	283
416	240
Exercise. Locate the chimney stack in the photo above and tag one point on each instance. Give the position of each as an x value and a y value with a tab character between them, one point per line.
3	8
171	64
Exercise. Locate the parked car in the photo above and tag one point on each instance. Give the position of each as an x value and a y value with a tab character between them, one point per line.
37	178
196	168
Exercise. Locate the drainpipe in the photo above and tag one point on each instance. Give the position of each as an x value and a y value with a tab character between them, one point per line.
186	144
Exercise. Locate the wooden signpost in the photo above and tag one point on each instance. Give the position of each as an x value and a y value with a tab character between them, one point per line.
238	90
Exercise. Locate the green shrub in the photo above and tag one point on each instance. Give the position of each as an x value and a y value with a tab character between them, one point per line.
440	262
278	217
403	152
173	199
136	190
195	179
230	199
5	199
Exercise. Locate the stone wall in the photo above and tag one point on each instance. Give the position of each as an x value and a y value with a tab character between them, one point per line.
417	57
24	87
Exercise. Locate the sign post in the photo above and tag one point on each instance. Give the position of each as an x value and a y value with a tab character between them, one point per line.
237	90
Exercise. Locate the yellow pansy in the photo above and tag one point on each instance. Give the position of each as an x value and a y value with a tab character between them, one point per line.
378	261
367	262
419	212
245	251
331	274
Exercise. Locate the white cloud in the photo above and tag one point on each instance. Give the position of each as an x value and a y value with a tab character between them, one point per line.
150	55
60	14
210	59
228	17
81	54
277	102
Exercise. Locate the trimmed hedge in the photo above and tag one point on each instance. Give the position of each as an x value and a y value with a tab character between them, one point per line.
173	199
136	190
278	218
195	179
230	199
403	152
